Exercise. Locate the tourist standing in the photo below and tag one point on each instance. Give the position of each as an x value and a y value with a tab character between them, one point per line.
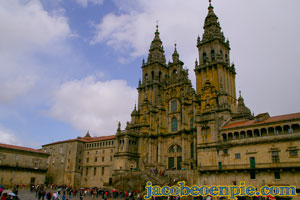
81	195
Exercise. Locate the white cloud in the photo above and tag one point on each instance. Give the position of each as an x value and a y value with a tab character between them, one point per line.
84	3
27	26
7	137
134	28
264	46
89	104
27	29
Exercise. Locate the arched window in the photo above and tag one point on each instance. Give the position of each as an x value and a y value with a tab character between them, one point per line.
174	124
204	57
146	77
192	149
174	71
179	149
174	106
152	75
192	123
175	148
212	54
172	150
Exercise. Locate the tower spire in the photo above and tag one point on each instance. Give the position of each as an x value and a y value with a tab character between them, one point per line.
175	55
156	51
212	28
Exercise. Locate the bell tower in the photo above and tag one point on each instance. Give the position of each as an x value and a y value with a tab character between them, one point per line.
154	72
215	76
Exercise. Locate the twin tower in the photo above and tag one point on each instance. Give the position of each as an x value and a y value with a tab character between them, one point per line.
215	76
173	121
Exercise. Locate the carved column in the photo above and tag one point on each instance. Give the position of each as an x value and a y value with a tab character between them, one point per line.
149	151
126	141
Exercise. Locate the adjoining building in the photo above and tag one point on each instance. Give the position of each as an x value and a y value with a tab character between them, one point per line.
22	165
205	136
81	162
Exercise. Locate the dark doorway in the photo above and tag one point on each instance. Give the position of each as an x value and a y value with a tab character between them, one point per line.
32	181
179	160
171	162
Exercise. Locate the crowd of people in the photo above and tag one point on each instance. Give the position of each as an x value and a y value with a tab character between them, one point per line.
8	194
55	192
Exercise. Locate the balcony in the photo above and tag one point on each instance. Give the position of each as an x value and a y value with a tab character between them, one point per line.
247	166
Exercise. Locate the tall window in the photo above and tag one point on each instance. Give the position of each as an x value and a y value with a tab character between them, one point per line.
275	156
175	157
171	162
252	175
277	175
220	166
252	162
174	106
159	76
179	161
192	123
204	57
174	124
192	150
294	153
212	53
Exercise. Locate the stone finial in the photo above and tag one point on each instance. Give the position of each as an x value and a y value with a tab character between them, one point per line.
175	55
119	127
87	134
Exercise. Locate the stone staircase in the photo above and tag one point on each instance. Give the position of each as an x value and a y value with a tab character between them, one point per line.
132	181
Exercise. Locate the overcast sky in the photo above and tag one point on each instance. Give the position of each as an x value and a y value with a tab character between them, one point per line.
68	66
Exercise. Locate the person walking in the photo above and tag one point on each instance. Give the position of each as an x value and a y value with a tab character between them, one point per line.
81	195
4	196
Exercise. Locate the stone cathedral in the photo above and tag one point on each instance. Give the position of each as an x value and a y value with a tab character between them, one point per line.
204	136
172	119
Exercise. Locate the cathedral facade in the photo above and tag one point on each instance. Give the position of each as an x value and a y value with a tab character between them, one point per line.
205	136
